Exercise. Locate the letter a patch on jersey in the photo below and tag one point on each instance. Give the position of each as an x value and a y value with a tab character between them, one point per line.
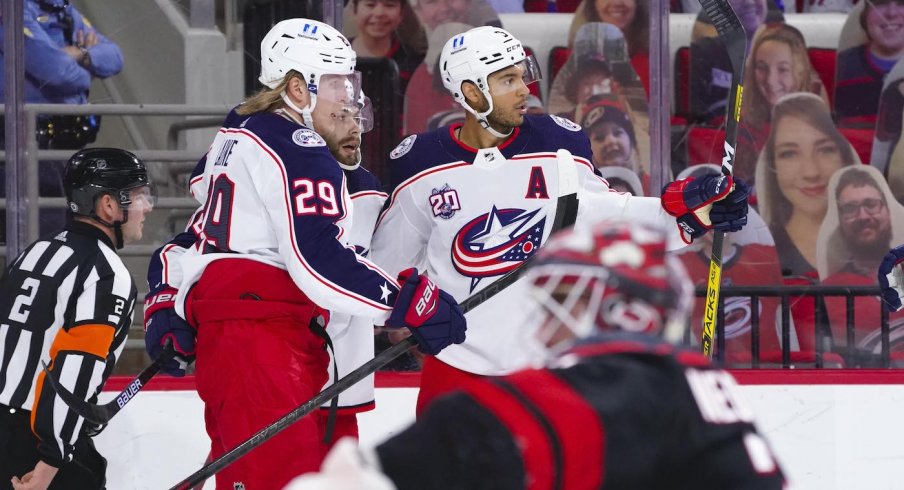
536	186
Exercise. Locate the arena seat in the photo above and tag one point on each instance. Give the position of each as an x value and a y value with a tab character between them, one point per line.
704	144
682	84
862	141
824	61
558	55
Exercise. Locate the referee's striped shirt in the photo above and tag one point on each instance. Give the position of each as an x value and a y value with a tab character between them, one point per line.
67	300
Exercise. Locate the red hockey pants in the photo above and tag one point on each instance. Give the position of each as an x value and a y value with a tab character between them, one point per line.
257	360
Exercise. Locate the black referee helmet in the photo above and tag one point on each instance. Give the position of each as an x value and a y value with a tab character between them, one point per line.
93	172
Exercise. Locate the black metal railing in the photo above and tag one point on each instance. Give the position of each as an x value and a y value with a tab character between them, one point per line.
824	343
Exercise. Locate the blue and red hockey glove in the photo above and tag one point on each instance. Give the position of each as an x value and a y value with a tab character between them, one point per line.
891	278
432	315
697	204
161	323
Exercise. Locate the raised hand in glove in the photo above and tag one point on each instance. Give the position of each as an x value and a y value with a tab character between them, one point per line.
432	315
161	323
891	278
730	213
692	202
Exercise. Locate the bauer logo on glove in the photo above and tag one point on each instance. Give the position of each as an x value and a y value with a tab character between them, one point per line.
703	203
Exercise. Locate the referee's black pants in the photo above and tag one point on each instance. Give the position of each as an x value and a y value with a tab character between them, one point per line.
19	455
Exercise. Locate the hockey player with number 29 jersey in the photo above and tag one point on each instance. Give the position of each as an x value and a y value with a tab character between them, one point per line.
471	202
269	258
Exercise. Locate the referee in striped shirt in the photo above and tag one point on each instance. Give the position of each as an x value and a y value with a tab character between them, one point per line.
68	300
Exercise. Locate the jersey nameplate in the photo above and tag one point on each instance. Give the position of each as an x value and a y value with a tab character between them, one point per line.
307	137
403	148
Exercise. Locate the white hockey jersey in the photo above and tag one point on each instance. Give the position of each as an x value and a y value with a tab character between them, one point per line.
352	336
271	191
468	216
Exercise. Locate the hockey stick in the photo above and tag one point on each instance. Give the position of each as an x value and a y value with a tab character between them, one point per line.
566	213
733	36
101	414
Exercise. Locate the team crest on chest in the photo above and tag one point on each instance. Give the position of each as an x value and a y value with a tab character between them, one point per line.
307	137
444	202
566	123
497	242
403	148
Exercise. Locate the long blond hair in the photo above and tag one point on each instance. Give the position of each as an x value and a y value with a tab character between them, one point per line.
756	110
266	99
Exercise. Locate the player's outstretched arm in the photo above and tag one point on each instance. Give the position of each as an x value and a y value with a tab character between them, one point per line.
891	278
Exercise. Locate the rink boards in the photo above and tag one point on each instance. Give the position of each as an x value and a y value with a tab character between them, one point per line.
831	429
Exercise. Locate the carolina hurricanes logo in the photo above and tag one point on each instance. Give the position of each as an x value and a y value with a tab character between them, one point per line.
496	242
738	315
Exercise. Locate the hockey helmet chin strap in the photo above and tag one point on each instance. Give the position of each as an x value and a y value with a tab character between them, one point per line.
306	112
482	116
116	226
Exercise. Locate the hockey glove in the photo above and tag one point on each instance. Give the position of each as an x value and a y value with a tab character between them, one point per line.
161	323
690	201
730	214
432	315
891	278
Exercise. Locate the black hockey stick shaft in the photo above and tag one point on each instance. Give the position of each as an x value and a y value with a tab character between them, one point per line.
101	414
733	36
566	213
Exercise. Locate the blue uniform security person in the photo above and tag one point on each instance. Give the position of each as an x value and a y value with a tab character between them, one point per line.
63	53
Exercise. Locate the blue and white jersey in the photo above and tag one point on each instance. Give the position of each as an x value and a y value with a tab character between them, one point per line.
353	336
271	191
467	216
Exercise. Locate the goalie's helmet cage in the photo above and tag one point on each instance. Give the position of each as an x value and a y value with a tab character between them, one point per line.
476	54
309	47
612	276
94	172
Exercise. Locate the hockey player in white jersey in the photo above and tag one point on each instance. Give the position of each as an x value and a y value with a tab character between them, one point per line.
268	258
473	201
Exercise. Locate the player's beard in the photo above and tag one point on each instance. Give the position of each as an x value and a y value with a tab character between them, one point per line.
341	154
501	121
504	122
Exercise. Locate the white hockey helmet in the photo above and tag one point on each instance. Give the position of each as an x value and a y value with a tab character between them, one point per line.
309	47
476	54
313	49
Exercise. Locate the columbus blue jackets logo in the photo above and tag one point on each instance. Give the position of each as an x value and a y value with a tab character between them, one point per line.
307	137
403	148
566	123
496	242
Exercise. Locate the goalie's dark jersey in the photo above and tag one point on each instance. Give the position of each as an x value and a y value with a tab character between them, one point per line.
616	412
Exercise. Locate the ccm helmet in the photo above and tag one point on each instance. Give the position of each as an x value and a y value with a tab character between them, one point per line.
614	275
474	56
94	172
311	48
